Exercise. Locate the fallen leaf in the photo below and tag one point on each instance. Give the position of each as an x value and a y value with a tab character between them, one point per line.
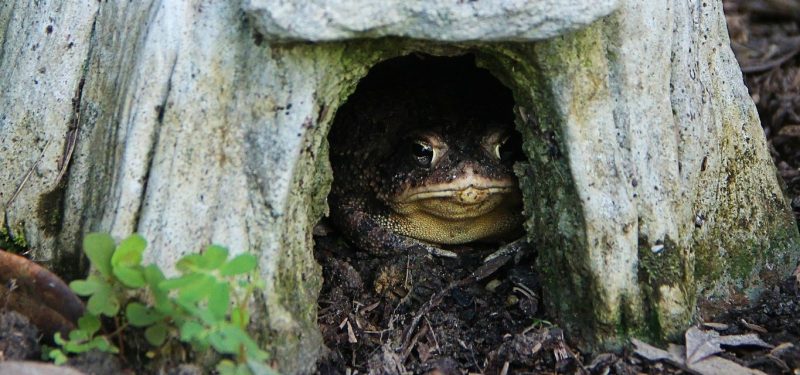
678	352
780	349
351	336
701	344
650	352
750	339
720	366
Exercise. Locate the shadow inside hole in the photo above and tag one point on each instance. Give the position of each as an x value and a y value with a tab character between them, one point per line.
376	156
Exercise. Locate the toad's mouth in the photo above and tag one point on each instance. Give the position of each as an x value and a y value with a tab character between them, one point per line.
457	200
473	190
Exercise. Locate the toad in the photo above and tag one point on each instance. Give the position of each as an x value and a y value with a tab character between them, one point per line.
422	170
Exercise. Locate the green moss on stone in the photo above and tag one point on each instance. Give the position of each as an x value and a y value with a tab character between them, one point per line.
12	238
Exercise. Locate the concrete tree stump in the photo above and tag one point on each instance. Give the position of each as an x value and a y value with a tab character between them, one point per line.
648	184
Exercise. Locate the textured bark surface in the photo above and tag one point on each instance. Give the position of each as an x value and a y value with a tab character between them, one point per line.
649	182
447	21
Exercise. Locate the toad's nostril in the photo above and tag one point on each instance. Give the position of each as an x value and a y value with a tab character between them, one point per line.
472	195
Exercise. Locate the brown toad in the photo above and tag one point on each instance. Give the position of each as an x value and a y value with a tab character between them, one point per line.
424	160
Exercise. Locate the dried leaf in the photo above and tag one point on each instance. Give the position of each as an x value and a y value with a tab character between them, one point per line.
536	348
650	352
678	353
780	349
351	336
719	366
701	344
750	339
504	371
700	349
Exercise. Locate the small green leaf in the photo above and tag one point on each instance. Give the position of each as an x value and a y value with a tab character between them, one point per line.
242	263
196	312
240	317
180	281
129	252
156	334
226	367
78	335
153	275
223	343
206	316
190	331
58	339
165	306
232	338
132	277
76	347
89	323
219	300
103	302
98	248
190	263
243	369
197	290
214	256
58	357
140	315
101	343
89	286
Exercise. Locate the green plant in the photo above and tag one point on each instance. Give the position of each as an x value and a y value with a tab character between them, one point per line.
205	306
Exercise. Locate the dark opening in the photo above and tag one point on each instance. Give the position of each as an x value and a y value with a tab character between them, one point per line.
436	79
423	143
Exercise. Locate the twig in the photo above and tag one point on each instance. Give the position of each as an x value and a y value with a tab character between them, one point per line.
769	65
72	140
27	176
481	273
413	343
504	371
433	334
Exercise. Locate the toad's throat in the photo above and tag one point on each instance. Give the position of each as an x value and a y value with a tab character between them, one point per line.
456	216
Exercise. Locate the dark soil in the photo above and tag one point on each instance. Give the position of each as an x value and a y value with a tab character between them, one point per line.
368	308
412	312
394	316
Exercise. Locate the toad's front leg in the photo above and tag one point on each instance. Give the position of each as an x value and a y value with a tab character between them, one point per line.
370	231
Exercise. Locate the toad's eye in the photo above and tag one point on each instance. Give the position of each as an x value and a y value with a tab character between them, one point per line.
508	149
422	153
